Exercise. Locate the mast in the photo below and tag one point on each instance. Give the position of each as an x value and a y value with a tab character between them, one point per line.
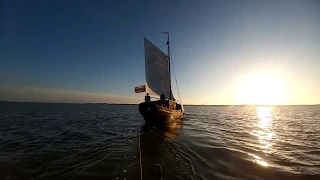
169	62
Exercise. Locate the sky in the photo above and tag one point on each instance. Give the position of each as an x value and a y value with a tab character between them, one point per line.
224	52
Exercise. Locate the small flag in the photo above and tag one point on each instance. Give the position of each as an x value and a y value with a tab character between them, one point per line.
140	89
167	43
165	33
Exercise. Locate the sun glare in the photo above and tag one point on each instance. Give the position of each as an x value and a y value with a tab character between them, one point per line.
262	89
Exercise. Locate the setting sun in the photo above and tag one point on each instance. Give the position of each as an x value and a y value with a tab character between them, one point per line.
265	89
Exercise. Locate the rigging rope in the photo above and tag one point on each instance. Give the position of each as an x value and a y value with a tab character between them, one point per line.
156	166
175	78
140	155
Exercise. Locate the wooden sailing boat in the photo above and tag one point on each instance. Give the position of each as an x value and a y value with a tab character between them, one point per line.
158	81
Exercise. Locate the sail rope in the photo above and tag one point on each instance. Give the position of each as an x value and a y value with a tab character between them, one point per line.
140	154
175	78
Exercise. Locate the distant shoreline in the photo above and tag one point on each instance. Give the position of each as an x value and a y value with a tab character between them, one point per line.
138	104
63	103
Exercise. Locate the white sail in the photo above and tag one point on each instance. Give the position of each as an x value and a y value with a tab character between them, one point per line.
157	70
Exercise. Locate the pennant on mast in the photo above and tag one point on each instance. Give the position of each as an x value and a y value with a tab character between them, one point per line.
168	35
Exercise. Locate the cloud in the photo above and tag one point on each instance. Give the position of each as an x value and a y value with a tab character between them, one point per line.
32	94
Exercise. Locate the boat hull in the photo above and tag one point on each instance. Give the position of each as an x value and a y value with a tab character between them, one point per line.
157	115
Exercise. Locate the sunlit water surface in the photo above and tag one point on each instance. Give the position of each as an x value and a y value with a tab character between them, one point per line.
88	141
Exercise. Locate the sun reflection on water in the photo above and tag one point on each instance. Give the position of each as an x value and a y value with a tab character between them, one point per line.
258	160
264	131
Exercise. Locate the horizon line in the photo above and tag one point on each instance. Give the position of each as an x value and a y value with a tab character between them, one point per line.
183	104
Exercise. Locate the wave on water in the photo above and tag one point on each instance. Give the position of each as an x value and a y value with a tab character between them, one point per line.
89	141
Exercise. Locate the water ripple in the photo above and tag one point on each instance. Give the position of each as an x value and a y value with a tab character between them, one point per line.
78	141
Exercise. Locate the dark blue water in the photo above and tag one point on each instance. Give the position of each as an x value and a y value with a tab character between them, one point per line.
97	141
